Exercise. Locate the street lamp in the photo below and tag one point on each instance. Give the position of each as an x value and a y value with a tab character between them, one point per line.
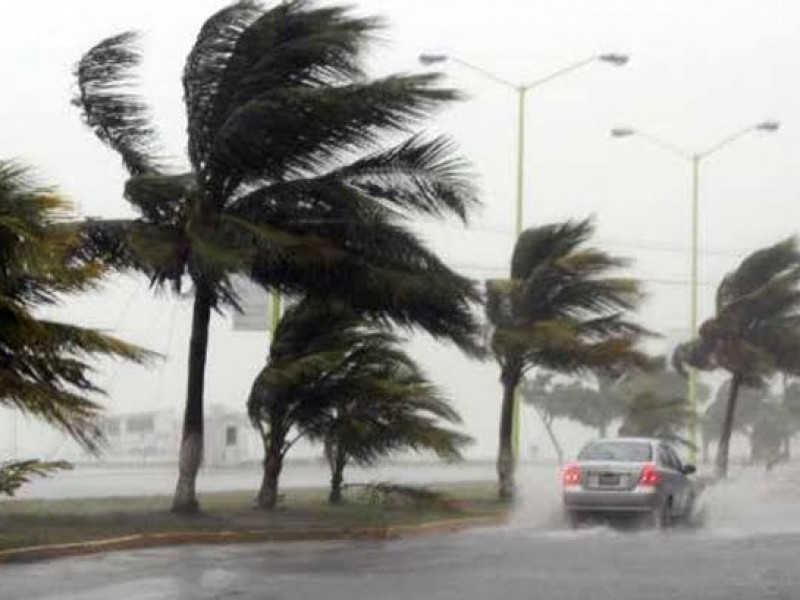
614	59
522	89
694	159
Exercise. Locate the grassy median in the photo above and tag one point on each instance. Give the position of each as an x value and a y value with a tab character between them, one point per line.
301	512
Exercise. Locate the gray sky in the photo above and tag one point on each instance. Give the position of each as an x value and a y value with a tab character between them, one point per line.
698	71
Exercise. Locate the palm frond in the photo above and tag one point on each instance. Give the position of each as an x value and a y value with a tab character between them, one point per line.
547	244
417	175
15	474
203	73
119	118
259	138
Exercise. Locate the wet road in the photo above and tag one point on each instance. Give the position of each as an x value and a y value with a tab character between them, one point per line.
743	545
498	564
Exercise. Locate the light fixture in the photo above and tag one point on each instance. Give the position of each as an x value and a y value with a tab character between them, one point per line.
618	60
620	132
769	126
432	59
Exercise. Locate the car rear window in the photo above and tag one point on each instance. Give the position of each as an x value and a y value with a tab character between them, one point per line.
619	451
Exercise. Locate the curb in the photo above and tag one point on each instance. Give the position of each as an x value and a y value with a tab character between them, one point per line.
251	536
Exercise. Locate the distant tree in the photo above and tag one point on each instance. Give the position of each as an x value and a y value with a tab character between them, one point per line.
336	378
563	309
44	364
651	414
755	332
655	402
650	401
750	403
289	183
575	400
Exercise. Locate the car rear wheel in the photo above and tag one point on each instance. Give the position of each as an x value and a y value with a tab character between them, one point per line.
661	515
573	518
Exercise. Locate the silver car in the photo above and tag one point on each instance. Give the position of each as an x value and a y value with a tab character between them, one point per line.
628	475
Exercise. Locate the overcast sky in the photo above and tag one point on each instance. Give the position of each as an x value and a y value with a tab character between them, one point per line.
698	72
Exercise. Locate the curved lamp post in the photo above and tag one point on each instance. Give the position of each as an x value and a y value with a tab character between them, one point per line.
522	89
695	159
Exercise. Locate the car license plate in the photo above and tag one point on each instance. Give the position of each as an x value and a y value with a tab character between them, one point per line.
609	480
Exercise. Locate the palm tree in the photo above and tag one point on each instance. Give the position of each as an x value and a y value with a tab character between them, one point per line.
546	399
333	377
288	183
756	330
749	403
575	400
44	368
561	310
384	404
650	413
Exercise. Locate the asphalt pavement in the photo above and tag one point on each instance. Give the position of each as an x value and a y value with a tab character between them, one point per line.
744	546
497	564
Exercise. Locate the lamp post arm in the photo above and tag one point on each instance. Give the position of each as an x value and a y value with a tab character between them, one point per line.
486	73
727	141
664	144
560	72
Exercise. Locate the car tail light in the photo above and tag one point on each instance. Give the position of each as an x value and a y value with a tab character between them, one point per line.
572	475
650	475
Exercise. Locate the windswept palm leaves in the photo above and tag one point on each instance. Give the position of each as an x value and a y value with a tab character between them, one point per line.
44	371
650	413
332	377
756	330
386	405
289	183
560	309
15	474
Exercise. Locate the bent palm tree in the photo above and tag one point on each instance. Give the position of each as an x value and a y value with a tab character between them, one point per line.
334	377
382	405
288	182
44	371
756	329
560	310
747	407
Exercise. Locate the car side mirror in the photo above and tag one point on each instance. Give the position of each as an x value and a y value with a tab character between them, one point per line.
689	469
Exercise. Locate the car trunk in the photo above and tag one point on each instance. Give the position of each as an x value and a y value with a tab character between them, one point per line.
610	475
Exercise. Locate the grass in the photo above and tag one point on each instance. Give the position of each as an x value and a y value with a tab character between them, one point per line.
38	522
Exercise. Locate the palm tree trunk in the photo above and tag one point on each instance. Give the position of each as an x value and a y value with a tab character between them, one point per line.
267	497
338	462
727	428
602	429
505	456
191	452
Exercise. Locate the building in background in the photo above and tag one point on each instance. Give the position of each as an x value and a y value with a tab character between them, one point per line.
154	437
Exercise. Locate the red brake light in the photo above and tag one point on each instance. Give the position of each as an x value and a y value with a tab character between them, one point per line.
572	475
650	475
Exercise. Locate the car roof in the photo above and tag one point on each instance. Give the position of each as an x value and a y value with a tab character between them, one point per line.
638	440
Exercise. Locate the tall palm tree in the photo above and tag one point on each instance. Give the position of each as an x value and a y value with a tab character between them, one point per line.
44	364
755	331
560	309
336	378
749	402
288	182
